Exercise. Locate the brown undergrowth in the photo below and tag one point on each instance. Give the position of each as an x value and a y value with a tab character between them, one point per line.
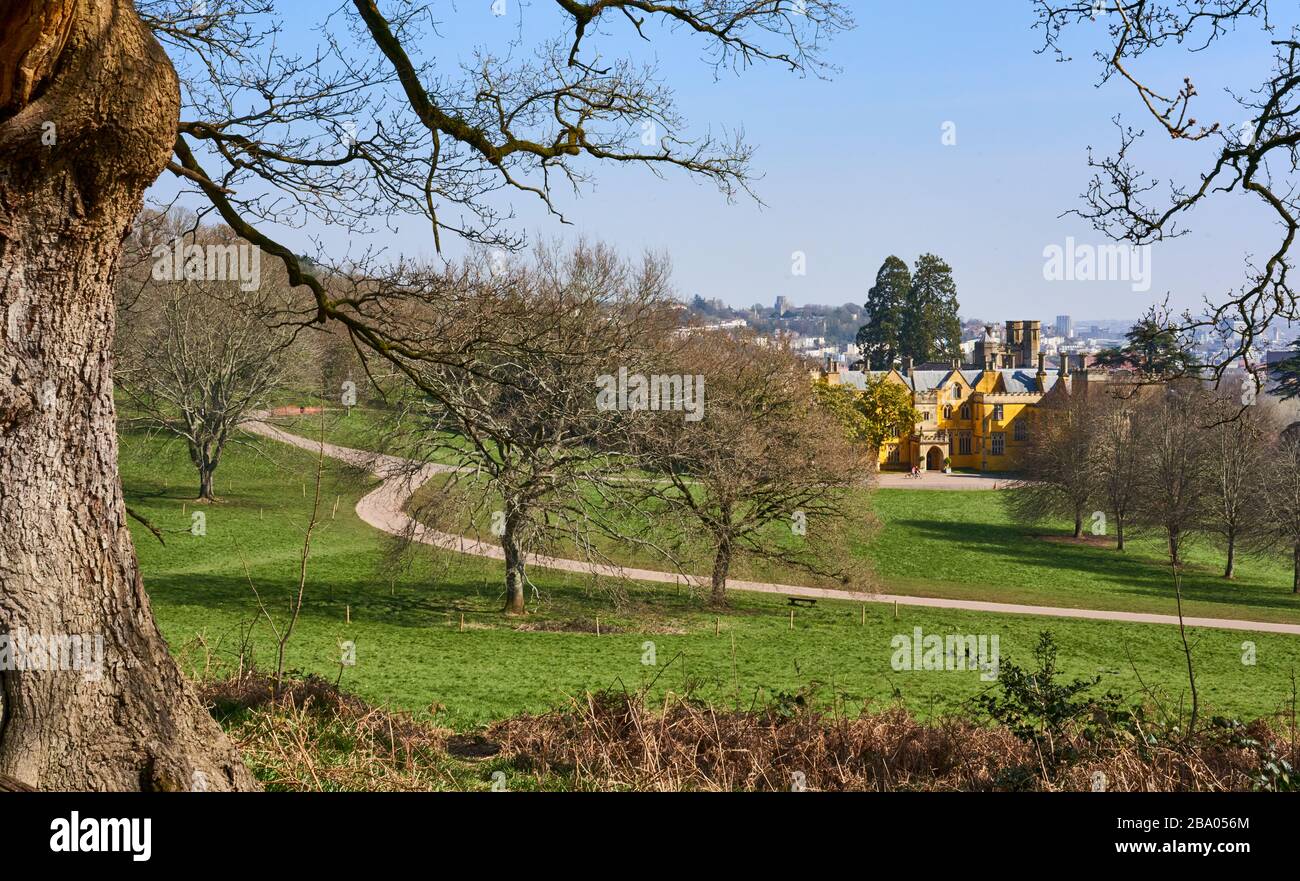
615	740
315	737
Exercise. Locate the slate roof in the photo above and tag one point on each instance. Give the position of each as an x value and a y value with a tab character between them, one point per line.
927	380
1019	381
854	379
1015	381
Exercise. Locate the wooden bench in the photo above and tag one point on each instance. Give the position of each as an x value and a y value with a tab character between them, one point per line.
802	601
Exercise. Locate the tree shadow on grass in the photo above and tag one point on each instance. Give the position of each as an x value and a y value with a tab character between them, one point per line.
1129	573
404	602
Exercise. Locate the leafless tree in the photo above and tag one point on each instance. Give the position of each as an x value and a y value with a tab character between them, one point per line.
1117	453
1254	154
1282	500
1236	443
196	355
1176	486
764	472
519	414
374	125
1059	464
1176	480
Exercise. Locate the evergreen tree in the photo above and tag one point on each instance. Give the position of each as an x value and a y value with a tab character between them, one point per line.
879	337
931	330
1287	375
1153	348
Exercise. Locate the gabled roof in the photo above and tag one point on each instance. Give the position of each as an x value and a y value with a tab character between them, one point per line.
1019	381
927	380
854	379
1057	389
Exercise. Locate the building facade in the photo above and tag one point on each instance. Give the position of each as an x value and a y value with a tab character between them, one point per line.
971	418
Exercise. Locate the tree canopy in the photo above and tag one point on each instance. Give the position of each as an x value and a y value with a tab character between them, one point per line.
880	338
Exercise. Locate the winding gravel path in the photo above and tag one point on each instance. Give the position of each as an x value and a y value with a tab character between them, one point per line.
384	508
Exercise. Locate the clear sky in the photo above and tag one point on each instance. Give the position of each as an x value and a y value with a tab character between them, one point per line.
855	168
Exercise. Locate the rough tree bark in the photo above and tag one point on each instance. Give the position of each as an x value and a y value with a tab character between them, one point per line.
205	483
206	462
88	110
514	568
721	567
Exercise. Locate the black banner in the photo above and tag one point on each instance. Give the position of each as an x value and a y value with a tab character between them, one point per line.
138	833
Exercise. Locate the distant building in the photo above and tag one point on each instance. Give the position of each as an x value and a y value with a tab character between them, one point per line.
730	324
1065	326
782	304
1019	348
969	418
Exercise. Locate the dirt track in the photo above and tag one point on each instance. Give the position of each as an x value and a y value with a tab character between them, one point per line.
384	509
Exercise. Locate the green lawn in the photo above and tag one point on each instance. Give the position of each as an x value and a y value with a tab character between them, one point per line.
358	427
412	652
962	545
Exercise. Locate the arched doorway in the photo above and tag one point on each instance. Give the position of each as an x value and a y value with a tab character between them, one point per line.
934	459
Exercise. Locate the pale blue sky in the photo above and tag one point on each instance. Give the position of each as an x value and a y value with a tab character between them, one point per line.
854	168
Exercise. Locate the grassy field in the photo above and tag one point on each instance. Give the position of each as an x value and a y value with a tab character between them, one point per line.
413	653
962	545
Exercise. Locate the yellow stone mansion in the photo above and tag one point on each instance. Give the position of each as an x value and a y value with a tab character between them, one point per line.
976	418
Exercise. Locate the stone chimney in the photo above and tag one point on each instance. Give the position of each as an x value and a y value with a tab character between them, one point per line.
1042	372
1030	340
1064	369
907	366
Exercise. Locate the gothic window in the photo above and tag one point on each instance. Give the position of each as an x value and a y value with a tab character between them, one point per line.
947	411
999	443
963	443
997	412
956	391
965	411
893	454
1022	430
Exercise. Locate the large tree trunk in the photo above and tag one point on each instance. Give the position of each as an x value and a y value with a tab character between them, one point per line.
205	483
514	570
1230	568
88	109
721	566
1119	529
207	465
206	456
